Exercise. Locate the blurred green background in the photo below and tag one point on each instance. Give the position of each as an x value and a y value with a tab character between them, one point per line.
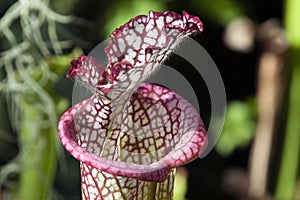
255	44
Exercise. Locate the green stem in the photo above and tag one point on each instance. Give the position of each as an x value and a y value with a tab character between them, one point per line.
38	155
289	167
152	191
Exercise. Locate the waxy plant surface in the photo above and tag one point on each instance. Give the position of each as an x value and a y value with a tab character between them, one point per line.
129	136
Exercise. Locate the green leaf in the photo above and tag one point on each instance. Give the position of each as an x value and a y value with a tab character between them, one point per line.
124	10
221	11
239	127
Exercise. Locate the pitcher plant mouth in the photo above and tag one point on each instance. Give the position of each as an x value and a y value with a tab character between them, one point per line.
129	132
140	162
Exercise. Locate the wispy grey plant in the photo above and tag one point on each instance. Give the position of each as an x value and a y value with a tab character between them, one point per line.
31	33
